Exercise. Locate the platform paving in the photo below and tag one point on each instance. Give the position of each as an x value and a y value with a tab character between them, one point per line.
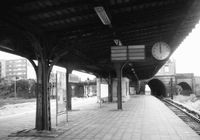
142	118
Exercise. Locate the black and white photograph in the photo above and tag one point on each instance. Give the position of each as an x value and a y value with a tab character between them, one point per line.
99	70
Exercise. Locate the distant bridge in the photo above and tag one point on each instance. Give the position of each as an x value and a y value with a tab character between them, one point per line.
163	85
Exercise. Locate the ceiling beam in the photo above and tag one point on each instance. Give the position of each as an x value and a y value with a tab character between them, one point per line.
135	26
61	6
63	16
15	21
86	58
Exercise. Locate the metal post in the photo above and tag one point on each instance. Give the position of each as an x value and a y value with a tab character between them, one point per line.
119	86
56	99
67	82
100	93
87	88
68	87
120	89
15	88
171	87
110	96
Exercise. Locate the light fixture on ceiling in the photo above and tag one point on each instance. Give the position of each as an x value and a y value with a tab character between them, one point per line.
102	15
7	48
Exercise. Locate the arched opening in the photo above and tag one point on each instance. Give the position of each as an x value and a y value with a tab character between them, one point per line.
147	90
185	88
157	88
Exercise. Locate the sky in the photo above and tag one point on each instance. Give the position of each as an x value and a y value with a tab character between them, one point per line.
187	55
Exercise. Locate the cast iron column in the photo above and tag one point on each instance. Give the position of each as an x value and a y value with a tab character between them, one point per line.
69	90
119	85
43	70
171	87
43	115
110	96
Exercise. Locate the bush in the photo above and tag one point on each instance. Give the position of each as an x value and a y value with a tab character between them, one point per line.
25	89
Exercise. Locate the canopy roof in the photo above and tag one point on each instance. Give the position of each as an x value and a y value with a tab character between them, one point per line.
75	26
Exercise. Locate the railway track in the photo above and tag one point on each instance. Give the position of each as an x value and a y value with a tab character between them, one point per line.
188	116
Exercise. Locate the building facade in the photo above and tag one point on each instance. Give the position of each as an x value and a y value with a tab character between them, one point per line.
2	69
168	83
11	69
169	68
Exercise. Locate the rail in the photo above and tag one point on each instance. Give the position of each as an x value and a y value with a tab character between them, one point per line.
190	117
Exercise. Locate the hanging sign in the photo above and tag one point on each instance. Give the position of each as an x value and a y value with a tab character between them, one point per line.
136	52
119	53
124	53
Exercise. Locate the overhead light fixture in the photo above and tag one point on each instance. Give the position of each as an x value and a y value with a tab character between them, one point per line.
102	15
4	47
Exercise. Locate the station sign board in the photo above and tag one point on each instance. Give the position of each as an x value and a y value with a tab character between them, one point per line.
125	53
119	53
136	52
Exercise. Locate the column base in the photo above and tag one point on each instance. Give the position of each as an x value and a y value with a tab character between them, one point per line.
55	132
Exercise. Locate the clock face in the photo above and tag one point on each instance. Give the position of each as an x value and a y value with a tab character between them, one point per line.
161	50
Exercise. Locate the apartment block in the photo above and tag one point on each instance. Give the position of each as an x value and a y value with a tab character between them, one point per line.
11	69
2	68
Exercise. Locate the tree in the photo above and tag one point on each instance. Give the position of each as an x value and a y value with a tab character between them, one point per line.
24	89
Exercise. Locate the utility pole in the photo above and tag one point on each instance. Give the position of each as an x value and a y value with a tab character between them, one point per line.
15	87
171	86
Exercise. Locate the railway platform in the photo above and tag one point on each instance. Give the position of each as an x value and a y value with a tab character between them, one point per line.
143	117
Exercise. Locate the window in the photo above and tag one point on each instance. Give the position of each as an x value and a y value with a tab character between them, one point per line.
166	68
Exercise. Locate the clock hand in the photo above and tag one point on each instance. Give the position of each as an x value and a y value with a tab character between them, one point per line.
160	48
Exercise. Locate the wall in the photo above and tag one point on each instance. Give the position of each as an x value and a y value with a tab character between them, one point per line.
197	86
3	68
134	87
102	86
187	78
169	68
125	89
166	81
166	72
178	78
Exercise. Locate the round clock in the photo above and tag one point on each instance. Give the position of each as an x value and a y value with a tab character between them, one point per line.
161	50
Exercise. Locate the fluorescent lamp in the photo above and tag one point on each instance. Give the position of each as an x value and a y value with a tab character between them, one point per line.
102	15
4	47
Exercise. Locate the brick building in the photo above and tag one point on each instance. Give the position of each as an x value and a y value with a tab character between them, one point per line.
169	68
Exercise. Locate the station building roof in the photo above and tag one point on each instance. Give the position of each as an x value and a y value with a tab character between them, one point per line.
74	25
